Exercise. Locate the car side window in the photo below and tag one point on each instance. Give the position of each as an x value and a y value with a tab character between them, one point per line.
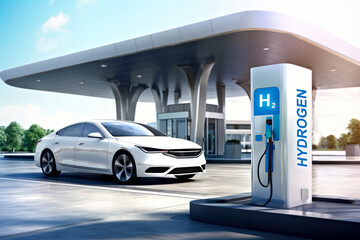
60	132
90	128
72	131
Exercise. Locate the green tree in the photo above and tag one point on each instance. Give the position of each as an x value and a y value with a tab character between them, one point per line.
32	135
2	138
13	134
331	142
343	140
354	130
322	143
48	131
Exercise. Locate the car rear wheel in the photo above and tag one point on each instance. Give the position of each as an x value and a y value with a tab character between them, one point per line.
184	177
124	168
48	165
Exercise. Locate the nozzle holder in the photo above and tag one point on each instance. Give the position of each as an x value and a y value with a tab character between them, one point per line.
269	121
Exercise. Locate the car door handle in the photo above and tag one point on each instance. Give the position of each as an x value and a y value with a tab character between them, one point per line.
81	143
57	142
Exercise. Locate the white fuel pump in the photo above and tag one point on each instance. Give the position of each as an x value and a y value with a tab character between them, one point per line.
281	118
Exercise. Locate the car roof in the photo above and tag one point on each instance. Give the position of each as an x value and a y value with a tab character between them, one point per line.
108	120
99	121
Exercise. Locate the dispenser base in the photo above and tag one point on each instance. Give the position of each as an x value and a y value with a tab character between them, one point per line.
325	218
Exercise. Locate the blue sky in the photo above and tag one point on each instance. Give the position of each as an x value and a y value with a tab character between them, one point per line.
34	30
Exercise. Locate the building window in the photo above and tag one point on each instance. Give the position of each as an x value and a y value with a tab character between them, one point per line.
238	126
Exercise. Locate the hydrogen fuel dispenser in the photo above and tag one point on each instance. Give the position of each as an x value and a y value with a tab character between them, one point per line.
281	120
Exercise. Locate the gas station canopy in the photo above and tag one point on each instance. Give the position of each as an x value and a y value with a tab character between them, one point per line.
235	42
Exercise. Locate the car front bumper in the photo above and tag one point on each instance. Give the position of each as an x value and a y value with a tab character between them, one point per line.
161	165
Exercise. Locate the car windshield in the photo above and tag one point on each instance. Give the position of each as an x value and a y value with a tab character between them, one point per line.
122	129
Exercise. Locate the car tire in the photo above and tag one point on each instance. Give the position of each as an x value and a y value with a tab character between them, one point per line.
184	177
124	168
48	164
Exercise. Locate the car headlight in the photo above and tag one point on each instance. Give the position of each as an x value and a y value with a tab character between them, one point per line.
152	150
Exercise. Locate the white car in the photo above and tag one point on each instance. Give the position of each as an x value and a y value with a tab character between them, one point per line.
124	149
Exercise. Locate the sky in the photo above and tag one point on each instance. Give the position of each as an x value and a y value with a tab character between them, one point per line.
35	30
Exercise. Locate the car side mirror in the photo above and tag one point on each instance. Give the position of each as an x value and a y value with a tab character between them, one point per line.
95	135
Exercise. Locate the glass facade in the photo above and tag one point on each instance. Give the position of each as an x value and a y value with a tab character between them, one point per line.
175	121
210	143
180	128
176	127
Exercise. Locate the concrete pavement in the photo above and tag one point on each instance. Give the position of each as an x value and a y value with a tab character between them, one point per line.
87	206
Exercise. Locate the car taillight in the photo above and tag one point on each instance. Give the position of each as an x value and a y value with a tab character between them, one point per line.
38	141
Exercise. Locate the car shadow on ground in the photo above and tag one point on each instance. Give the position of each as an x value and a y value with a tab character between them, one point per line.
95	179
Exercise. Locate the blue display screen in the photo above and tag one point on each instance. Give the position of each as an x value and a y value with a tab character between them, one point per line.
266	101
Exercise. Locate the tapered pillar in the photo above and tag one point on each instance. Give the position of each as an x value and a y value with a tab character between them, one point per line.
246	87
221	131
126	97
220	90
160	99
177	95
198	79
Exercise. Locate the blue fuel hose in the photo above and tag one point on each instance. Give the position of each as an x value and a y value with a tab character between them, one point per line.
269	183
258	167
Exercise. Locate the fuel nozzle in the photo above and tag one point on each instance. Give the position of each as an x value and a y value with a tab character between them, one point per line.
268	129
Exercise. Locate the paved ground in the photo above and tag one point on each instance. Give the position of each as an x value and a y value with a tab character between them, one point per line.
83	206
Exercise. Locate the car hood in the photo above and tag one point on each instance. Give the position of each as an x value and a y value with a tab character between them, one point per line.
160	142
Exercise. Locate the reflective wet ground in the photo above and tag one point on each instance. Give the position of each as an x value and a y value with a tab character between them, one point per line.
87	206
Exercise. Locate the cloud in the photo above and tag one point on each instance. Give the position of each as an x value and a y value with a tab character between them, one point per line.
44	44
82	3
51	2
53	32
47	43
55	23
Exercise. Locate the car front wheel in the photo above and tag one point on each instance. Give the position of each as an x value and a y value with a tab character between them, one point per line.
124	168
48	165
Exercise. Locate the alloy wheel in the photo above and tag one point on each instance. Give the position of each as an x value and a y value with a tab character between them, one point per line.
123	167
47	163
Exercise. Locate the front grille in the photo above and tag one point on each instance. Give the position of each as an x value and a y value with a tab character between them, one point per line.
156	169
184	153
185	170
